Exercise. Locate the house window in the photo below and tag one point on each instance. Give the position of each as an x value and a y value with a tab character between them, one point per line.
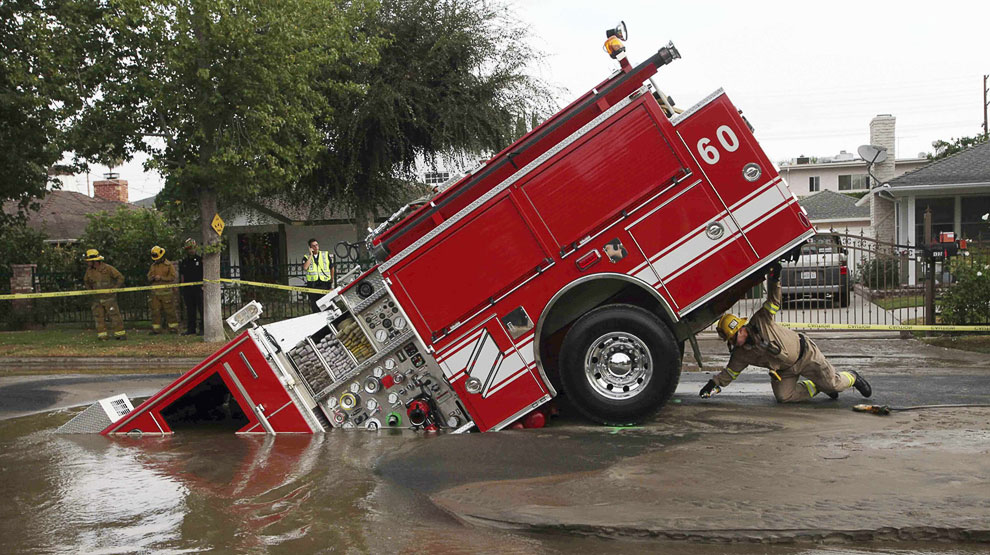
436	178
859	182
943	214
971	221
814	184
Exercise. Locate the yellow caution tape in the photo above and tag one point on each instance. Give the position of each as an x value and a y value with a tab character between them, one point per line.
54	294
271	285
892	327
94	291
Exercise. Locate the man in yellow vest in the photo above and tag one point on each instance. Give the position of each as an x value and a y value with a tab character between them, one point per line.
319	272
100	275
162	300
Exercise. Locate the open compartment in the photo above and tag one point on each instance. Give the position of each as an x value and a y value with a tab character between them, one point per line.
353	338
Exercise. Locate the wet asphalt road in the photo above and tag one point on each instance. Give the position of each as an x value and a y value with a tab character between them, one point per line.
902	373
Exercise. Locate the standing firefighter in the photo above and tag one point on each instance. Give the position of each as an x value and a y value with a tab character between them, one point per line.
319	272
162	300
191	271
798	370
100	275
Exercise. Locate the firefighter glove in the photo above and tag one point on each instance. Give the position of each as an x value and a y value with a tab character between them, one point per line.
710	389
775	270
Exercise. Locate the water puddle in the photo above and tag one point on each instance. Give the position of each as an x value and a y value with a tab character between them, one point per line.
345	492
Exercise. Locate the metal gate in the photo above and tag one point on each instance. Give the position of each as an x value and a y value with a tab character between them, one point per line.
853	279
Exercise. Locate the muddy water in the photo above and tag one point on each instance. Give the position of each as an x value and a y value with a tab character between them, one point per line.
340	492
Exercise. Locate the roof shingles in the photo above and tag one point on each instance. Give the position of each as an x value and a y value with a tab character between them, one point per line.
829	205
969	166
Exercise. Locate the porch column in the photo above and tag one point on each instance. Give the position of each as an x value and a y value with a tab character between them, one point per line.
912	266
957	217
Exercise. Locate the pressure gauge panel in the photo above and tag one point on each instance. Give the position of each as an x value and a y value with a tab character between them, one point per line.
384	320
403	378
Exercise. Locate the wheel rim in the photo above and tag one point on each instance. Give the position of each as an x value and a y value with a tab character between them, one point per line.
618	365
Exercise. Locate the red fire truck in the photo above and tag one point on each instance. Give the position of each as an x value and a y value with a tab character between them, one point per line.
578	260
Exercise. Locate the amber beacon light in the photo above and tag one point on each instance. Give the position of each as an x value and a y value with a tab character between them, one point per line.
614	38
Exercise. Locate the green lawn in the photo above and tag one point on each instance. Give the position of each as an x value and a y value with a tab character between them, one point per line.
76	342
893	303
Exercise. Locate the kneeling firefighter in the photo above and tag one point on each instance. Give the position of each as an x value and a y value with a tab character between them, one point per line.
162	300
798	369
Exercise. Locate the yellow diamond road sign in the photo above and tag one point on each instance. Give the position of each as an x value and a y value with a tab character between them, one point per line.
217	224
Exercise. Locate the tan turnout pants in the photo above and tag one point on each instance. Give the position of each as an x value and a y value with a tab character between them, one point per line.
812	374
164	304
104	309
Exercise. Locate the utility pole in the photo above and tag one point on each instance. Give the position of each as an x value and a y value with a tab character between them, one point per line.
985	104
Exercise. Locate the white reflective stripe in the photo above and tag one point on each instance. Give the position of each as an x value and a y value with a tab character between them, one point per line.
733	374
754	208
850	377
812	390
771	308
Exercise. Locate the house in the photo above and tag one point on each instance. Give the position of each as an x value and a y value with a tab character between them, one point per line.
955	188
829	210
62	215
273	233
845	172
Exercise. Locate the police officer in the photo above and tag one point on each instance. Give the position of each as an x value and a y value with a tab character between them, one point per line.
190	271
319	272
100	275
162	300
798	369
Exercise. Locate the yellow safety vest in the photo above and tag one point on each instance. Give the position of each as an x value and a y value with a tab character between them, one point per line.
319	269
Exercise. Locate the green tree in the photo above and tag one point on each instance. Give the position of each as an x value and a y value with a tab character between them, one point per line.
125	238
230	91
451	83
944	149
45	72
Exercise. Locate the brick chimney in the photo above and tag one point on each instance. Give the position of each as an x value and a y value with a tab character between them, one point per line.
111	189
881	209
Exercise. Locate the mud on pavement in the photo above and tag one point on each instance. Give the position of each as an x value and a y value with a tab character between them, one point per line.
741	474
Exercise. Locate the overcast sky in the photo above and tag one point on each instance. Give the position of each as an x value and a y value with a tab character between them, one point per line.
809	76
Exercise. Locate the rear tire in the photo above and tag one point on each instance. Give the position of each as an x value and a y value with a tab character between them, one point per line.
619	364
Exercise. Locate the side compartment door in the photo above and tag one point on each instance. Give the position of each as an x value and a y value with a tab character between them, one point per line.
503	383
460	274
691	244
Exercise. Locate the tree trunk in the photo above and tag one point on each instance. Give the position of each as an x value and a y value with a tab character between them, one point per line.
212	314
362	222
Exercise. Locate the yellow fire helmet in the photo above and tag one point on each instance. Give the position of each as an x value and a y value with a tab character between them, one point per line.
92	255
729	325
157	252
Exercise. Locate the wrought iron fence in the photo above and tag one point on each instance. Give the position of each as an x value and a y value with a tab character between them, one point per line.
852	279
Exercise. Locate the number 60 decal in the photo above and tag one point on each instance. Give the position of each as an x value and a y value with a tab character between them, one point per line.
725	136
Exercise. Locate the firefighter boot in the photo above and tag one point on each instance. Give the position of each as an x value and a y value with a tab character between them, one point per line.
833	395
861	385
